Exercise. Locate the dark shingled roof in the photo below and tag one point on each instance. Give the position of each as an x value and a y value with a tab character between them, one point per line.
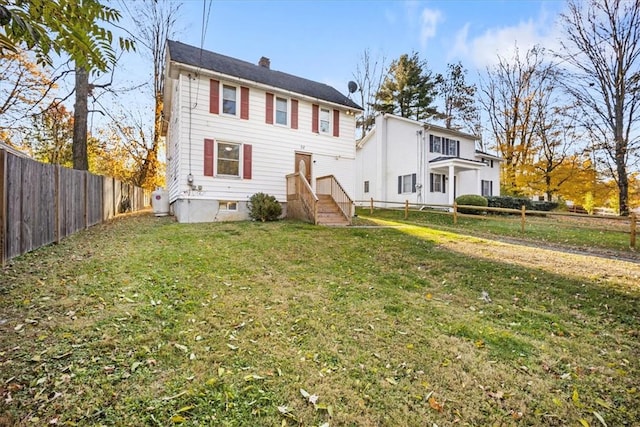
190	55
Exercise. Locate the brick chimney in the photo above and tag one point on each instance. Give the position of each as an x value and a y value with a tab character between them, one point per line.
265	62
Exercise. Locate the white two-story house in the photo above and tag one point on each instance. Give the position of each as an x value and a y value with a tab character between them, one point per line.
234	129
402	159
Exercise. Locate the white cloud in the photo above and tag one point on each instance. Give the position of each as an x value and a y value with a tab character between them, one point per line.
483	49
429	20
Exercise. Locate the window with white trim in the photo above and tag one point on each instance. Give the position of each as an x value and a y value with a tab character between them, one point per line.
228	206
435	144
407	183
281	111
228	159
229	100
366	186
487	188
325	120
437	183
452	147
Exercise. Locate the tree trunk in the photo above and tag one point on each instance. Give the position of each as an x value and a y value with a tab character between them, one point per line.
80	114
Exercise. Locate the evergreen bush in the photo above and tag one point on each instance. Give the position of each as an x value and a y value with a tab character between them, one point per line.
264	207
471	200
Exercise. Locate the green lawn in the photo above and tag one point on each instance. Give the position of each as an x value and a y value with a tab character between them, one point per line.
143	321
577	232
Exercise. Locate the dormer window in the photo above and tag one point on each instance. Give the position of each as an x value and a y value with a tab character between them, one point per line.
229	100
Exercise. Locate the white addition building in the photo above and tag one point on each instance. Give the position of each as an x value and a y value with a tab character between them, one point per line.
402	159
234	129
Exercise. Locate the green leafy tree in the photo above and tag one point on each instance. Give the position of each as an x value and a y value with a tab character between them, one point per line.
74	27
409	89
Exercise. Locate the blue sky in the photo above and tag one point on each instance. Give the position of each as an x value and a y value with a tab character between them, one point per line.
323	40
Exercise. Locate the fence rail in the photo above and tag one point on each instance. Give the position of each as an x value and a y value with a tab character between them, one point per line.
453	210
43	203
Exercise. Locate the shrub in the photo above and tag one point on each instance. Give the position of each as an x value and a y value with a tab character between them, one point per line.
509	202
264	207
545	206
471	200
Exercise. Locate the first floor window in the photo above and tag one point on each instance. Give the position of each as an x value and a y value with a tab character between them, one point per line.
487	188
366	186
281	111
229	100
407	183
325	120
437	183
228	159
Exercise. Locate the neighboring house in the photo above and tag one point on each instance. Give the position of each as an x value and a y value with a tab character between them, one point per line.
402	159
234	129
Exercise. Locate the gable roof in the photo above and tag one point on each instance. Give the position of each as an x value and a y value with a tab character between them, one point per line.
194	56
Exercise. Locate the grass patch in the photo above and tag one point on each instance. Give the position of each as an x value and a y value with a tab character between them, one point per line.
578	232
143	321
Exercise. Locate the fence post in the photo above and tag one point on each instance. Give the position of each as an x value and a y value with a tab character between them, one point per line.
406	209
632	242
371	207
524	215
455	213
56	203
86	199
3	206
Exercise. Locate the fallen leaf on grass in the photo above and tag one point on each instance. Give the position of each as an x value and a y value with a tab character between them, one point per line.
435	404
391	381
181	347
599	417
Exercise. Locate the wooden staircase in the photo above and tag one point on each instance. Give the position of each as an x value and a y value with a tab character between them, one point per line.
329	205
329	212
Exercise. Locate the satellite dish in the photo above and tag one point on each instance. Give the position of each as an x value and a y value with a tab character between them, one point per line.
353	86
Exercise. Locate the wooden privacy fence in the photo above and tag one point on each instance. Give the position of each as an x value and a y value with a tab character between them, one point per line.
43	203
523	212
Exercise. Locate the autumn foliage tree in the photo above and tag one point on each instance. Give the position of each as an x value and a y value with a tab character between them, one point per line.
23	88
512	96
51	136
602	47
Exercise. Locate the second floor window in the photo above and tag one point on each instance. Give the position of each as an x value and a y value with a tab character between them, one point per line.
229	100
281	111
325	120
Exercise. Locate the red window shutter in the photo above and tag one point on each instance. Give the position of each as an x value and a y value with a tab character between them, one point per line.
246	161
294	114
208	157
244	103
336	122
315	112
268	118
214	96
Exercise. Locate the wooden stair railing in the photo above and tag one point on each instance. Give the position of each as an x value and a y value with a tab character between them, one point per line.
329	185
301	200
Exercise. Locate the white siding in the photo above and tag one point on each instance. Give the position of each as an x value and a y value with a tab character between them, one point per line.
273	146
401	147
